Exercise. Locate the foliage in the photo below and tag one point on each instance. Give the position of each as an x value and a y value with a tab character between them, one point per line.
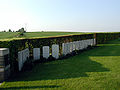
9	30
96	69
21	30
103	37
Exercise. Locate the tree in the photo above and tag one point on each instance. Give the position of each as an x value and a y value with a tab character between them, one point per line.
21	31
9	30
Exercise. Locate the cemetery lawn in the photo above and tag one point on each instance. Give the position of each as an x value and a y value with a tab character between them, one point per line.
15	35
96	69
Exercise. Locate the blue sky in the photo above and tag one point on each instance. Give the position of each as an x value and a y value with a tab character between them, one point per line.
60	15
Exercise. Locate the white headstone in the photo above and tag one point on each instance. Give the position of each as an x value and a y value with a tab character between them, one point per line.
46	52
63	48
86	44
80	45
20	62
36	53
55	51
74	46
26	51
94	41
67	48
90	42
77	45
22	57
71	47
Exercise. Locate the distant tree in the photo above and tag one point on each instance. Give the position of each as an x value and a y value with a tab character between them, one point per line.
4	31
21	31
9	30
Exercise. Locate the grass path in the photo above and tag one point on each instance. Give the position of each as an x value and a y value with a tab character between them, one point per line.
96	69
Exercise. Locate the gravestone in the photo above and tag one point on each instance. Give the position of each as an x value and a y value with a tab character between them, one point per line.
86	44
46	52
74	46
36	53
79	42
71	47
23	56
94	41
77	45
67	48
20	61
90	42
63	48
83	44
55	51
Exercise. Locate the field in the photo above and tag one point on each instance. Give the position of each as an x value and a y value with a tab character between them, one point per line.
96	69
14	35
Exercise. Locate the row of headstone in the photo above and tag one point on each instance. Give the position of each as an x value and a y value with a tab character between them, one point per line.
22	57
46	52
67	48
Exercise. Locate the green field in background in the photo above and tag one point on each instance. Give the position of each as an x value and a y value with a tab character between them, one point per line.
14	35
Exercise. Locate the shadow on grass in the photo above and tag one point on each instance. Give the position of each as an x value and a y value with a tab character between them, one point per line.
74	67
29	87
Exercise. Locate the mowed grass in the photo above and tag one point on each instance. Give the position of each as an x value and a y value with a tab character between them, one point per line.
96	69
15	35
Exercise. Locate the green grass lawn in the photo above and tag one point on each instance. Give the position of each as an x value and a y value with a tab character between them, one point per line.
14	35
96	69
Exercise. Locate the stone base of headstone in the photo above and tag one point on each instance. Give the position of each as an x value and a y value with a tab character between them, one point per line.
4	73
4	64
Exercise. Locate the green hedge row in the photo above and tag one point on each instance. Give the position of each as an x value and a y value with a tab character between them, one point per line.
18	45
103	37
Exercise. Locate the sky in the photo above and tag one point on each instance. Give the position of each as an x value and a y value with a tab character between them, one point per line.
60	15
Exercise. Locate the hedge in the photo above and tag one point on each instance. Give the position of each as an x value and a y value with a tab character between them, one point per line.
17	45
104	37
